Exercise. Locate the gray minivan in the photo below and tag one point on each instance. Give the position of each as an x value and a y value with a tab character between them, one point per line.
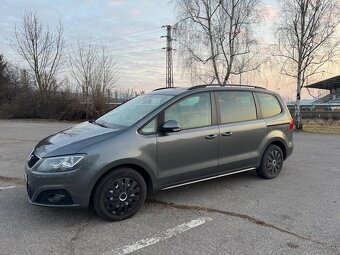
160	140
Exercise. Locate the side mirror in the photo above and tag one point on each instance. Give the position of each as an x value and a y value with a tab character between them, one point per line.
171	126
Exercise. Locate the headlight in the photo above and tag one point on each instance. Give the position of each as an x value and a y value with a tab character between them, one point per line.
60	164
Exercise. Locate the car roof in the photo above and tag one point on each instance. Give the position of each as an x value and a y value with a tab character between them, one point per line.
207	87
169	91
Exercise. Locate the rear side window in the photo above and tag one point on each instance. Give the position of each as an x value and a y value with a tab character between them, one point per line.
269	105
236	106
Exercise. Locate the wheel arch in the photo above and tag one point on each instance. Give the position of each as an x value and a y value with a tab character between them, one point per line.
149	178
280	142
282	146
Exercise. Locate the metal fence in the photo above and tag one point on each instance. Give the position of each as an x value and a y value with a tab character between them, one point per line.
325	115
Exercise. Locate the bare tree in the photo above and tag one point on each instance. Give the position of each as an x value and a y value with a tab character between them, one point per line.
94	71
83	67
107	75
5	80
305	40
41	48
216	39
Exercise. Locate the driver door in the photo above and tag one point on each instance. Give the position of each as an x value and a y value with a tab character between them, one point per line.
192	153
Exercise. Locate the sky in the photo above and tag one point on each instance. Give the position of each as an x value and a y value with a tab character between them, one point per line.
132	31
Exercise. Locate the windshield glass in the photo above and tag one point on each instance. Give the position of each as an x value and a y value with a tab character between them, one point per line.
132	111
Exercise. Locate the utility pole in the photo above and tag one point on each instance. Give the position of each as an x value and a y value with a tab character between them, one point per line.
169	80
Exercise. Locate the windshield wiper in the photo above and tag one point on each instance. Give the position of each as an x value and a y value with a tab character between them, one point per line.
99	124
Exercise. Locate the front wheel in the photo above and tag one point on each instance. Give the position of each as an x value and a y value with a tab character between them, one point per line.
119	194
272	162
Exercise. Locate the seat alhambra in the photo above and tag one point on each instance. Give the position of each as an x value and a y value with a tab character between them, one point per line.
160	140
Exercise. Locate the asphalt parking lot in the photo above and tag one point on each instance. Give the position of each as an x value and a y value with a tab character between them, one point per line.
296	213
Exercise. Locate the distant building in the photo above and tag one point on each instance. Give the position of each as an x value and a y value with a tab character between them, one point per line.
331	84
329	102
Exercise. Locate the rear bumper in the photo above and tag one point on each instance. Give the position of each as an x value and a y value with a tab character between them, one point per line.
290	148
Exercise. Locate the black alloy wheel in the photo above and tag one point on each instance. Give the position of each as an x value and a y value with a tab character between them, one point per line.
120	194
272	162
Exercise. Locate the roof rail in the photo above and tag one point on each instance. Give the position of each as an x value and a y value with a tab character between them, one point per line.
227	85
164	88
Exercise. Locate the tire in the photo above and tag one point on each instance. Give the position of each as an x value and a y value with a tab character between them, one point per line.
271	163
119	194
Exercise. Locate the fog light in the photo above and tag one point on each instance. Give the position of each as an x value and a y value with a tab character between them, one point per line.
56	198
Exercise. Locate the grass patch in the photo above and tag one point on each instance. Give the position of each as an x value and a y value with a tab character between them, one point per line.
322	126
321	129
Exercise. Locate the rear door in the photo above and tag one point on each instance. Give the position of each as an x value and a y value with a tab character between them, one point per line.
241	132
191	153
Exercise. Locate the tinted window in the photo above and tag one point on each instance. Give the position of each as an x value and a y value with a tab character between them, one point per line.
190	112
269	105
236	106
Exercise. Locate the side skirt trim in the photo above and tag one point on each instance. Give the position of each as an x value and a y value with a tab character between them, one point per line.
209	178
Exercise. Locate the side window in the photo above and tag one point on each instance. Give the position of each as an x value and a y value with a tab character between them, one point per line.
149	128
269	105
191	112
236	106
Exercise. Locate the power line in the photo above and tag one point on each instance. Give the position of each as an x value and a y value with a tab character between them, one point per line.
106	40
126	45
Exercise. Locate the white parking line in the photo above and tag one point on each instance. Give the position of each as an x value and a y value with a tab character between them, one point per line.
8	187
161	237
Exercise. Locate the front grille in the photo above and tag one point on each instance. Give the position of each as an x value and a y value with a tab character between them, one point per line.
33	159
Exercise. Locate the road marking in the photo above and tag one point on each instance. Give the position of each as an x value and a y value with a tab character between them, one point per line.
8	187
158	238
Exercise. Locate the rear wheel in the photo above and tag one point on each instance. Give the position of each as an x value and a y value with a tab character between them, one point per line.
119	194
272	162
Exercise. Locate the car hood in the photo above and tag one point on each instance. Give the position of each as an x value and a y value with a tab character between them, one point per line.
72	140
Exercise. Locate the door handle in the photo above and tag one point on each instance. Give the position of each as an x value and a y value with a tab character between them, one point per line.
228	133
210	136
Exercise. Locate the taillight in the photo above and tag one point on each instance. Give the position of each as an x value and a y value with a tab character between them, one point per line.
291	124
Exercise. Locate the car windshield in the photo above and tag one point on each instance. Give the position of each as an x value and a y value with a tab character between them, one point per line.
132	111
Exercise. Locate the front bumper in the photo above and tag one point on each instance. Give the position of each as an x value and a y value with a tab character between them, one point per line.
68	189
